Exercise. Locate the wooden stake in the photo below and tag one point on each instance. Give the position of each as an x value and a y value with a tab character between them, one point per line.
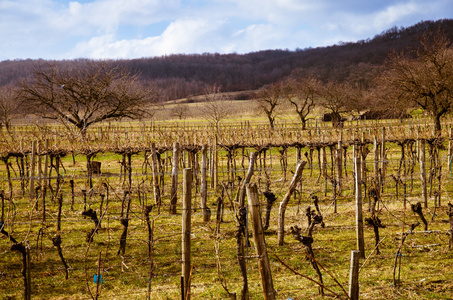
155	177
376	162
354	276
247	179
216	163
260	243
284	203
358	200
46	181
383	158
422	159
338	161
174	179
186	228
204	184
32	170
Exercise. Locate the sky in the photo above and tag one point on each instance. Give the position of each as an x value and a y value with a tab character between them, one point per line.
125	29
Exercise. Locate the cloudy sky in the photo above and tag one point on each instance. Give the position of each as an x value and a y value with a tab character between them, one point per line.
60	29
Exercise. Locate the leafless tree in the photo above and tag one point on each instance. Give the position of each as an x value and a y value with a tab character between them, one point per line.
217	107
337	98
85	94
422	78
269	98
179	110
9	106
302	94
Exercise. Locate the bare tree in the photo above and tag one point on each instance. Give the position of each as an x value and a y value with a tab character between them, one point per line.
217	106
179	110
269	99
422	78
337	98
85	94
9	106
302	94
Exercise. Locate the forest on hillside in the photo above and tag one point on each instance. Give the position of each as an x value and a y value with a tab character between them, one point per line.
180	76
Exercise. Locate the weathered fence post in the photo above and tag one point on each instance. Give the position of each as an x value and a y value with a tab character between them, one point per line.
284	203
338	181
354	276
211	163
376	163
323	170
32	170
383	159
186	228
46	181
216	164
174	179
39	163
204	185
260	243
156	189
422	159
27	249
247	179
358	199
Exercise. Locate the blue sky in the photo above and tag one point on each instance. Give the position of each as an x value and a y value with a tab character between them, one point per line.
114	29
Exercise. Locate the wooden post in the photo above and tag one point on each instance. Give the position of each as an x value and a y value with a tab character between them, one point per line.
39	163
339	162
358	200
216	163
376	162
211	164
174	179
46	181
28	294
354	276
260	243
422	159
186	228
156	189
324	166
284	203
32	169
383	158
204	184
247	179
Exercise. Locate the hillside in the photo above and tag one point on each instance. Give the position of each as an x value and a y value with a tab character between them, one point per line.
182	75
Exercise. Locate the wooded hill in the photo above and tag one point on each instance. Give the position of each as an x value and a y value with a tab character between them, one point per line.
179	76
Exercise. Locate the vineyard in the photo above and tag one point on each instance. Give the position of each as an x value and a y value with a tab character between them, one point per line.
156	210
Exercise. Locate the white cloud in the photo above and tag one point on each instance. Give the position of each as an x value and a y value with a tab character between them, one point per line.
181	36
353	26
258	36
395	13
